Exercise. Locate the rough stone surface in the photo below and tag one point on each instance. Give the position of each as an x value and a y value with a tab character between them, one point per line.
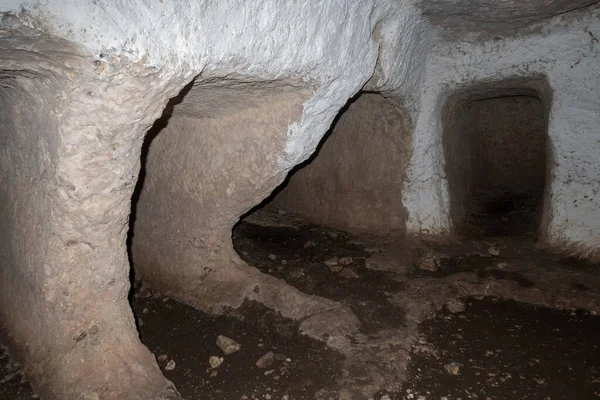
266	360
355	178
513	142
455	306
429	261
215	362
228	346
564	50
216	132
78	124
259	83
67	175
494	16
452	368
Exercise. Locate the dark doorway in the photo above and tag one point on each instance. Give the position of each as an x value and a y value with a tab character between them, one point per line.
495	142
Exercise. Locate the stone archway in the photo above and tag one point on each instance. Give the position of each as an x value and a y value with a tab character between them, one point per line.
354	180
211	158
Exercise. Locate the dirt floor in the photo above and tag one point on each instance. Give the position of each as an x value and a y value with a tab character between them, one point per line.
13	383
501	349
487	318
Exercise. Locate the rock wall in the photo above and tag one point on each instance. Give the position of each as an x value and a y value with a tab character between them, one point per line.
67	165
210	158
354	180
71	156
83	81
565	51
512	145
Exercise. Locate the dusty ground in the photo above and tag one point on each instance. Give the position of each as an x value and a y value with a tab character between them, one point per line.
300	367
13	384
502	349
506	350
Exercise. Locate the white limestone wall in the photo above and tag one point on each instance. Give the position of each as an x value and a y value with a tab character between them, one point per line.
335	49
567	51
328	46
405	41
134	55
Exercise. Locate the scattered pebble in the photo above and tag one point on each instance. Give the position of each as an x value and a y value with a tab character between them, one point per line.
349	273
345	260
455	306
334	264
296	273
272	257
266	360
501	265
332	261
309	244
336	268
162	357
170	365
429	262
228	346
453	368
215	362
494	250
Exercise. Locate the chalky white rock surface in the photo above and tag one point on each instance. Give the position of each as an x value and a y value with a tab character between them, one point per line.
567	52
82	81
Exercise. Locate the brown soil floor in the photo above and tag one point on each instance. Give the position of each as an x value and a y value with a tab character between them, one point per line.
506	350
13	384
300	367
506	344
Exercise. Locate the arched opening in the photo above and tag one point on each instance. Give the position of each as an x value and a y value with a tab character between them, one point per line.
208	160
212	156
495	145
354	180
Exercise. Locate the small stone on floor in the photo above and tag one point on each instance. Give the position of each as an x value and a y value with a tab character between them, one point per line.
266	360
455	306
170	365
215	362
228	346
429	262
453	368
